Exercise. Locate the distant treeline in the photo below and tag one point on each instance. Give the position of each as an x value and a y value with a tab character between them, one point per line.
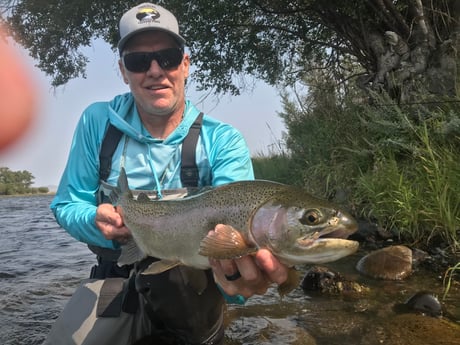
18	182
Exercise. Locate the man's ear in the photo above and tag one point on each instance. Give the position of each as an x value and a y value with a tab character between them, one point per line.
186	62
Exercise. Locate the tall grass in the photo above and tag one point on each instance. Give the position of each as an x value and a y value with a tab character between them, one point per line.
448	277
414	186
275	167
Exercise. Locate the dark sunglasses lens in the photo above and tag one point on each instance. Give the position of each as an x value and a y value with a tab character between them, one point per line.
140	62
137	62
169	58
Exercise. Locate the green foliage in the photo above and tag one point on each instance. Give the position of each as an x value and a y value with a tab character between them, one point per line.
55	31
275	41
43	190
15	182
324	139
448	277
277	168
414	184
394	164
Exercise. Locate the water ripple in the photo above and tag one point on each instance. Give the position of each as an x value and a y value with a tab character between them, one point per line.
41	266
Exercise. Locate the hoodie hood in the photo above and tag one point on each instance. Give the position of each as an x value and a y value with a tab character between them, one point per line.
123	114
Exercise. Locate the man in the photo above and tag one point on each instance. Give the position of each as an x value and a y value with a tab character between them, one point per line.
120	306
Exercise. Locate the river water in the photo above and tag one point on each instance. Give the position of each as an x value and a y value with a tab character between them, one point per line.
40	266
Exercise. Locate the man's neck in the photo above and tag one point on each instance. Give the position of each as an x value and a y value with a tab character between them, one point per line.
161	127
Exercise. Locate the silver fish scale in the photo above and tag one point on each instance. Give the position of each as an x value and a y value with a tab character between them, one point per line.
235	203
191	218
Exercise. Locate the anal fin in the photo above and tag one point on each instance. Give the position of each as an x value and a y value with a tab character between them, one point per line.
130	253
160	266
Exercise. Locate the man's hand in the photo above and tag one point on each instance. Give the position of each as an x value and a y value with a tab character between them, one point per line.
110	222
257	272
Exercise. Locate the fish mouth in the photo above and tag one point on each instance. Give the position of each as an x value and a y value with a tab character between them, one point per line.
328	244
336	233
339	227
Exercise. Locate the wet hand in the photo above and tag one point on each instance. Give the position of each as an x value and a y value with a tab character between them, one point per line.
110	222
249	275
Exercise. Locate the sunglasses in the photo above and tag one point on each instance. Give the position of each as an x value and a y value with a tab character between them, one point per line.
139	62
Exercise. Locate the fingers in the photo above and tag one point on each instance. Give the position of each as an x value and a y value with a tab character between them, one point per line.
229	267
275	271
250	271
252	281
110	223
106	213
249	275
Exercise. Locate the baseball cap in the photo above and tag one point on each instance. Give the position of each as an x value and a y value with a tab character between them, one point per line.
146	17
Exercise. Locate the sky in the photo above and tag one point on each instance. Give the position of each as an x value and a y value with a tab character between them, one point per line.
43	149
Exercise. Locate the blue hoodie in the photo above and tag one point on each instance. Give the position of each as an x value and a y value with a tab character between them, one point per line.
151	164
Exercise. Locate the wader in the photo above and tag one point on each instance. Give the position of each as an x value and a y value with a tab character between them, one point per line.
118	305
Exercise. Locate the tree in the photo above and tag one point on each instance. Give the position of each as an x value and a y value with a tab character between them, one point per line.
396	44
15	182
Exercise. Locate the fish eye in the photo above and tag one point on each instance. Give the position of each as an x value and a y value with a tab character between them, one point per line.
310	217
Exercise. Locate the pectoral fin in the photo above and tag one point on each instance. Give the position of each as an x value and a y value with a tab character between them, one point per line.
160	266
130	253
225	243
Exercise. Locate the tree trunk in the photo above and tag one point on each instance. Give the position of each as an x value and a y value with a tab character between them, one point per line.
423	59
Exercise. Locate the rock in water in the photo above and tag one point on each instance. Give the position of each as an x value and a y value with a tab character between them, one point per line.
390	263
426	303
325	280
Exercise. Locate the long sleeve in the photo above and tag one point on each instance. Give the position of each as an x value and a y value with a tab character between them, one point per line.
228	154
74	205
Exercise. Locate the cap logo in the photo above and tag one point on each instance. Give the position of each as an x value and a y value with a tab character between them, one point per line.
145	15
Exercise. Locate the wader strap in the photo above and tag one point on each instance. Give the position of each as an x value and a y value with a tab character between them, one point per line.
109	144
189	171
110	298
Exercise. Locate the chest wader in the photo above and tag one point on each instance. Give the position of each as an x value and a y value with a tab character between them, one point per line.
179	314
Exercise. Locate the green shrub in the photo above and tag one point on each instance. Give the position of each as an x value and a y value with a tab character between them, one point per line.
414	184
276	167
43	190
398	165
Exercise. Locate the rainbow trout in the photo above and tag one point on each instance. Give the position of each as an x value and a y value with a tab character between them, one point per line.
295	226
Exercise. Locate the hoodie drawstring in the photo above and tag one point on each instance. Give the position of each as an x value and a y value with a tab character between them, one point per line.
155	176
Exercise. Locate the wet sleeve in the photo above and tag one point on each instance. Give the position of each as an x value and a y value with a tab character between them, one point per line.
74	205
237	299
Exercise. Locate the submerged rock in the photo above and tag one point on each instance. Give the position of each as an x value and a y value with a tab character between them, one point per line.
422	302
324	280
390	263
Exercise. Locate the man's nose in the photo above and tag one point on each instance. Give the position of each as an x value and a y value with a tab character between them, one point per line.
155	69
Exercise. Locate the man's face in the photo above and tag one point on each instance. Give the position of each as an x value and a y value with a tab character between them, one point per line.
157	91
